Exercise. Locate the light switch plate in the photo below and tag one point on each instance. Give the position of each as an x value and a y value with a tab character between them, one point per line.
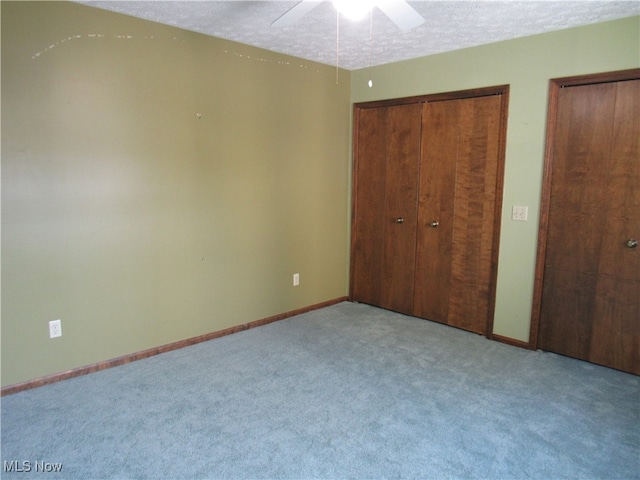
519	213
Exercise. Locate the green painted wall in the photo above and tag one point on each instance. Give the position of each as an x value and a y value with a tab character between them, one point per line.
159	184
527	65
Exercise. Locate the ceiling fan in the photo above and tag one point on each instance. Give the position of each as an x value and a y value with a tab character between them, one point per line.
399	11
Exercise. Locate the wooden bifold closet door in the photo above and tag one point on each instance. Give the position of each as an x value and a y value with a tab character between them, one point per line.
458	210
427	201
387	185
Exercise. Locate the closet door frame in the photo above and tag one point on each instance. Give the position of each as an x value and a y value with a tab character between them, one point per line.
555	85
503	91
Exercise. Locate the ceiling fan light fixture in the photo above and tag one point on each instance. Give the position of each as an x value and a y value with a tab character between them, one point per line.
354	9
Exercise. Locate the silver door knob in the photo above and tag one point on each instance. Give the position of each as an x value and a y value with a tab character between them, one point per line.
399	220
434	224
631	243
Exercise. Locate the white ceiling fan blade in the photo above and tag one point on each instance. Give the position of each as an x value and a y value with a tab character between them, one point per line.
295	13
401	13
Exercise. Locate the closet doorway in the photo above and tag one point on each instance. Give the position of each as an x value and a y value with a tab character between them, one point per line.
587	298
427	196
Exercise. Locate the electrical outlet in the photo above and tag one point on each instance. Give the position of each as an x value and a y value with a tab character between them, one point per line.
519	214
55	328
296	279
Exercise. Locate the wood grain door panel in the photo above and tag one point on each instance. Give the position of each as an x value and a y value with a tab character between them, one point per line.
459	190
615	339
401	207
387	168
437	189
427	197
370	177
590	304
475	210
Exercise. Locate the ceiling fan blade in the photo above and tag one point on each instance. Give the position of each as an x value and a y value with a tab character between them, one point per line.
295	13
401	13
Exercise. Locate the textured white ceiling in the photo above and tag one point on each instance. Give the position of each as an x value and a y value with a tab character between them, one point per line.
449	25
